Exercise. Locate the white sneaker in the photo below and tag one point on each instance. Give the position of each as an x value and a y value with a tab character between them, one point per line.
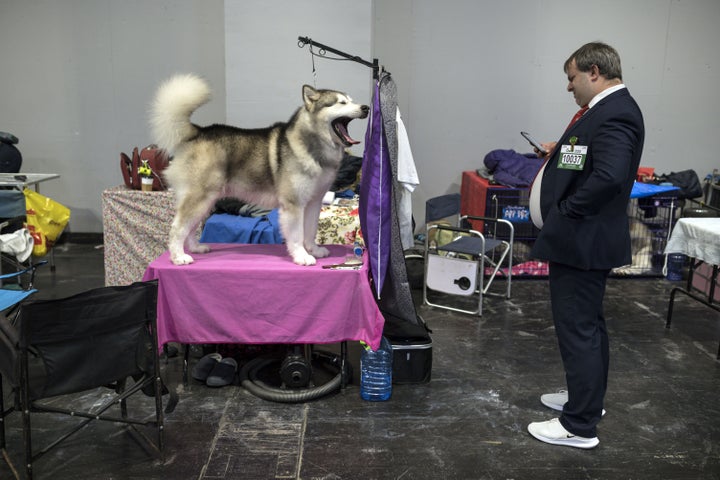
554	433
557	400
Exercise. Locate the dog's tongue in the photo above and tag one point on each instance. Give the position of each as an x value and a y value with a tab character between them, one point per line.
341	129
348	138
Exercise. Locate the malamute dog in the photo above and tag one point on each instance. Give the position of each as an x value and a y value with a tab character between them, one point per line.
288	165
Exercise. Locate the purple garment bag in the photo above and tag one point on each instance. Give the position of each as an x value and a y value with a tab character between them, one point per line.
376	196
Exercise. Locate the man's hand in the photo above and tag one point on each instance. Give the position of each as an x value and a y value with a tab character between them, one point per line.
549	147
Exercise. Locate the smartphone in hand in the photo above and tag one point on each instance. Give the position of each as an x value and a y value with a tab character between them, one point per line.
534	142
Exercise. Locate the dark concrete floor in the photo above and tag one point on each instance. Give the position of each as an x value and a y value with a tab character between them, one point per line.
469	422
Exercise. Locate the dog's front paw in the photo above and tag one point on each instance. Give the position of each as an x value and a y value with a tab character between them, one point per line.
318	251
304	259
182	259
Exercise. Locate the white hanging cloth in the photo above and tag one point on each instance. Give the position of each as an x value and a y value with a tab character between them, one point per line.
407	177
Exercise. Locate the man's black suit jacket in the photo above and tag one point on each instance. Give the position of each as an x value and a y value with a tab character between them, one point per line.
585	211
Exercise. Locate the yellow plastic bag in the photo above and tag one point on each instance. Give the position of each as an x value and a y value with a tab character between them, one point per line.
46	220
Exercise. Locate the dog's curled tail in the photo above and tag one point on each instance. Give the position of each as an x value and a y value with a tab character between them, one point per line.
175	101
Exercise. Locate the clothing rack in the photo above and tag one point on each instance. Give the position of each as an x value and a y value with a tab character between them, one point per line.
403	326
302	41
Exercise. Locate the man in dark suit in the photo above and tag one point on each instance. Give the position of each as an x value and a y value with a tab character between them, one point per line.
579	200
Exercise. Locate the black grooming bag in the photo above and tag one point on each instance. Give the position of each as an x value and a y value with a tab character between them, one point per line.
412	360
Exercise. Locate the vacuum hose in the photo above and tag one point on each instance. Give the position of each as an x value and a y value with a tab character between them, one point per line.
249	380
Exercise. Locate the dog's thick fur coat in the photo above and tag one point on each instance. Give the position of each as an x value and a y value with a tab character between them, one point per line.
289	165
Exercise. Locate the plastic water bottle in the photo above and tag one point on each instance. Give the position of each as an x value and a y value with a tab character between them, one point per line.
376	372
675	264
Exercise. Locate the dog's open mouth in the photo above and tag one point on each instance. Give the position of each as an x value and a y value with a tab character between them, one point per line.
340	126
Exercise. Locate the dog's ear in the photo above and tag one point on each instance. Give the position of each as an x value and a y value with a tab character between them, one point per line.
310	96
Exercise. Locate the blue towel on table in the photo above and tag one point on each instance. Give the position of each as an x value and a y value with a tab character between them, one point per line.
227	228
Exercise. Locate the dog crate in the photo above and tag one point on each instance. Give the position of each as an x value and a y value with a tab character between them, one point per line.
479	197
651	221
513	205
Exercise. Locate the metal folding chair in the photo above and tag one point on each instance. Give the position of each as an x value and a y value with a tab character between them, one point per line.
462	262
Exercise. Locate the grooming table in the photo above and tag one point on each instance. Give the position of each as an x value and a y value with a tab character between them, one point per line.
699	239
255	294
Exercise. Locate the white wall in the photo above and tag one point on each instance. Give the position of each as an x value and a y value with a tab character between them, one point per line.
78	75
77	78
471	74
265	68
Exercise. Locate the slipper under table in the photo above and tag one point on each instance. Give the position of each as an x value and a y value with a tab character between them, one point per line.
223	373
205	365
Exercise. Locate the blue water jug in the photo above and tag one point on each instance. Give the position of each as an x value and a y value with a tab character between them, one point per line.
675	265
376	372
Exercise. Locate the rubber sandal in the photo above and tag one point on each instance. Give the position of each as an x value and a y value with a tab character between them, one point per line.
205	365
223	373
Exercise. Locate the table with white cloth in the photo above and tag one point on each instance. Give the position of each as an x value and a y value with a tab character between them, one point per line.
699	239
255	294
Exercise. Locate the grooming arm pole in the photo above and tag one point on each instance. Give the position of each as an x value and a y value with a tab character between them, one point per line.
302	41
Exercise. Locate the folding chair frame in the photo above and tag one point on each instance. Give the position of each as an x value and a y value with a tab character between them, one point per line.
487	244
25	405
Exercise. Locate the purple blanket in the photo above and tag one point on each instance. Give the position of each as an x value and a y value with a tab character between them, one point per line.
513	169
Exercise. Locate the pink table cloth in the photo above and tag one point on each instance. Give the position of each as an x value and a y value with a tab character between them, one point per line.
253	294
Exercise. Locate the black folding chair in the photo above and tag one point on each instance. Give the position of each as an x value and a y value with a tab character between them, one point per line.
99	338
